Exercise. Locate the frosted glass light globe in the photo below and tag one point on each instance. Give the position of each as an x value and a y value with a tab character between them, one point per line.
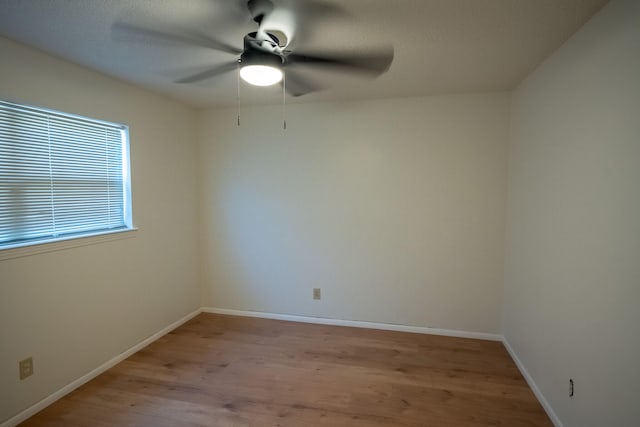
260	75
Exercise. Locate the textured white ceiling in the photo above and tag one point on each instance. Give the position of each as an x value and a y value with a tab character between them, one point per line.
441	46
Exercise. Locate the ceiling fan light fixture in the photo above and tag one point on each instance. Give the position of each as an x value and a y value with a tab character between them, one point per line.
261	75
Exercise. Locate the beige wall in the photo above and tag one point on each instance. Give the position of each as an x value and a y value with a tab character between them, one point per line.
74	309
394	208
572	294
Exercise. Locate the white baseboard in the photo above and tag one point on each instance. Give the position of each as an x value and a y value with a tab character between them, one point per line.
32	410
356	324
534	387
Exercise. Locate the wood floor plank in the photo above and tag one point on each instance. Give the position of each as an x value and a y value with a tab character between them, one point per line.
218	370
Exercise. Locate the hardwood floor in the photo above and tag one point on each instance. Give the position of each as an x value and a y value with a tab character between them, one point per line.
234	371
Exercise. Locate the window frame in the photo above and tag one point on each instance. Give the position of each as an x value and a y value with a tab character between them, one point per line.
88	237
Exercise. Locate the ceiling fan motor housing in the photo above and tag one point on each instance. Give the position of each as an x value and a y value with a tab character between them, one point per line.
257	57
254	55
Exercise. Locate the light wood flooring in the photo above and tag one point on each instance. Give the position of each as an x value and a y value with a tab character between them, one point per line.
235	371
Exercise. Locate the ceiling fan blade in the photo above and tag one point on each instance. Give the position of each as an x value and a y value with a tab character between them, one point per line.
211	72
259	9
374	63
318	9
297	20
295	85
129	32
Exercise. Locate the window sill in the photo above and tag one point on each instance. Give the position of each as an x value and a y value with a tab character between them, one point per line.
68	243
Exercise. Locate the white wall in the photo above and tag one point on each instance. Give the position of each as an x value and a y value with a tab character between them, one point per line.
572	293
394	208
73	310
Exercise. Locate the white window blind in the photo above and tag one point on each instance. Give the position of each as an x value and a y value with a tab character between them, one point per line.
61	176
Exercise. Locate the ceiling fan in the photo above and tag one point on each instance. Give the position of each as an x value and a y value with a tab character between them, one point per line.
265	58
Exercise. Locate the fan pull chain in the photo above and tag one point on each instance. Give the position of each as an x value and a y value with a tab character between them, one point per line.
238	93
284	101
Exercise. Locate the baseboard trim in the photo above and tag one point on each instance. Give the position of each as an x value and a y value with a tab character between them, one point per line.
37	407
355	324
534	387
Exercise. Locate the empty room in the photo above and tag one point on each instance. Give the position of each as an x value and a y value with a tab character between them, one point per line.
320	213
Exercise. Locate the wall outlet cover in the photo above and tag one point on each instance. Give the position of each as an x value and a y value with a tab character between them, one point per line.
26	367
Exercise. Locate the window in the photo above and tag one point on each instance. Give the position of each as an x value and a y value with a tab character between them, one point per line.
61	176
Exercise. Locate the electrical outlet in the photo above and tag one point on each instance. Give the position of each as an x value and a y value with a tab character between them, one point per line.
26	367
316	293
571	388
